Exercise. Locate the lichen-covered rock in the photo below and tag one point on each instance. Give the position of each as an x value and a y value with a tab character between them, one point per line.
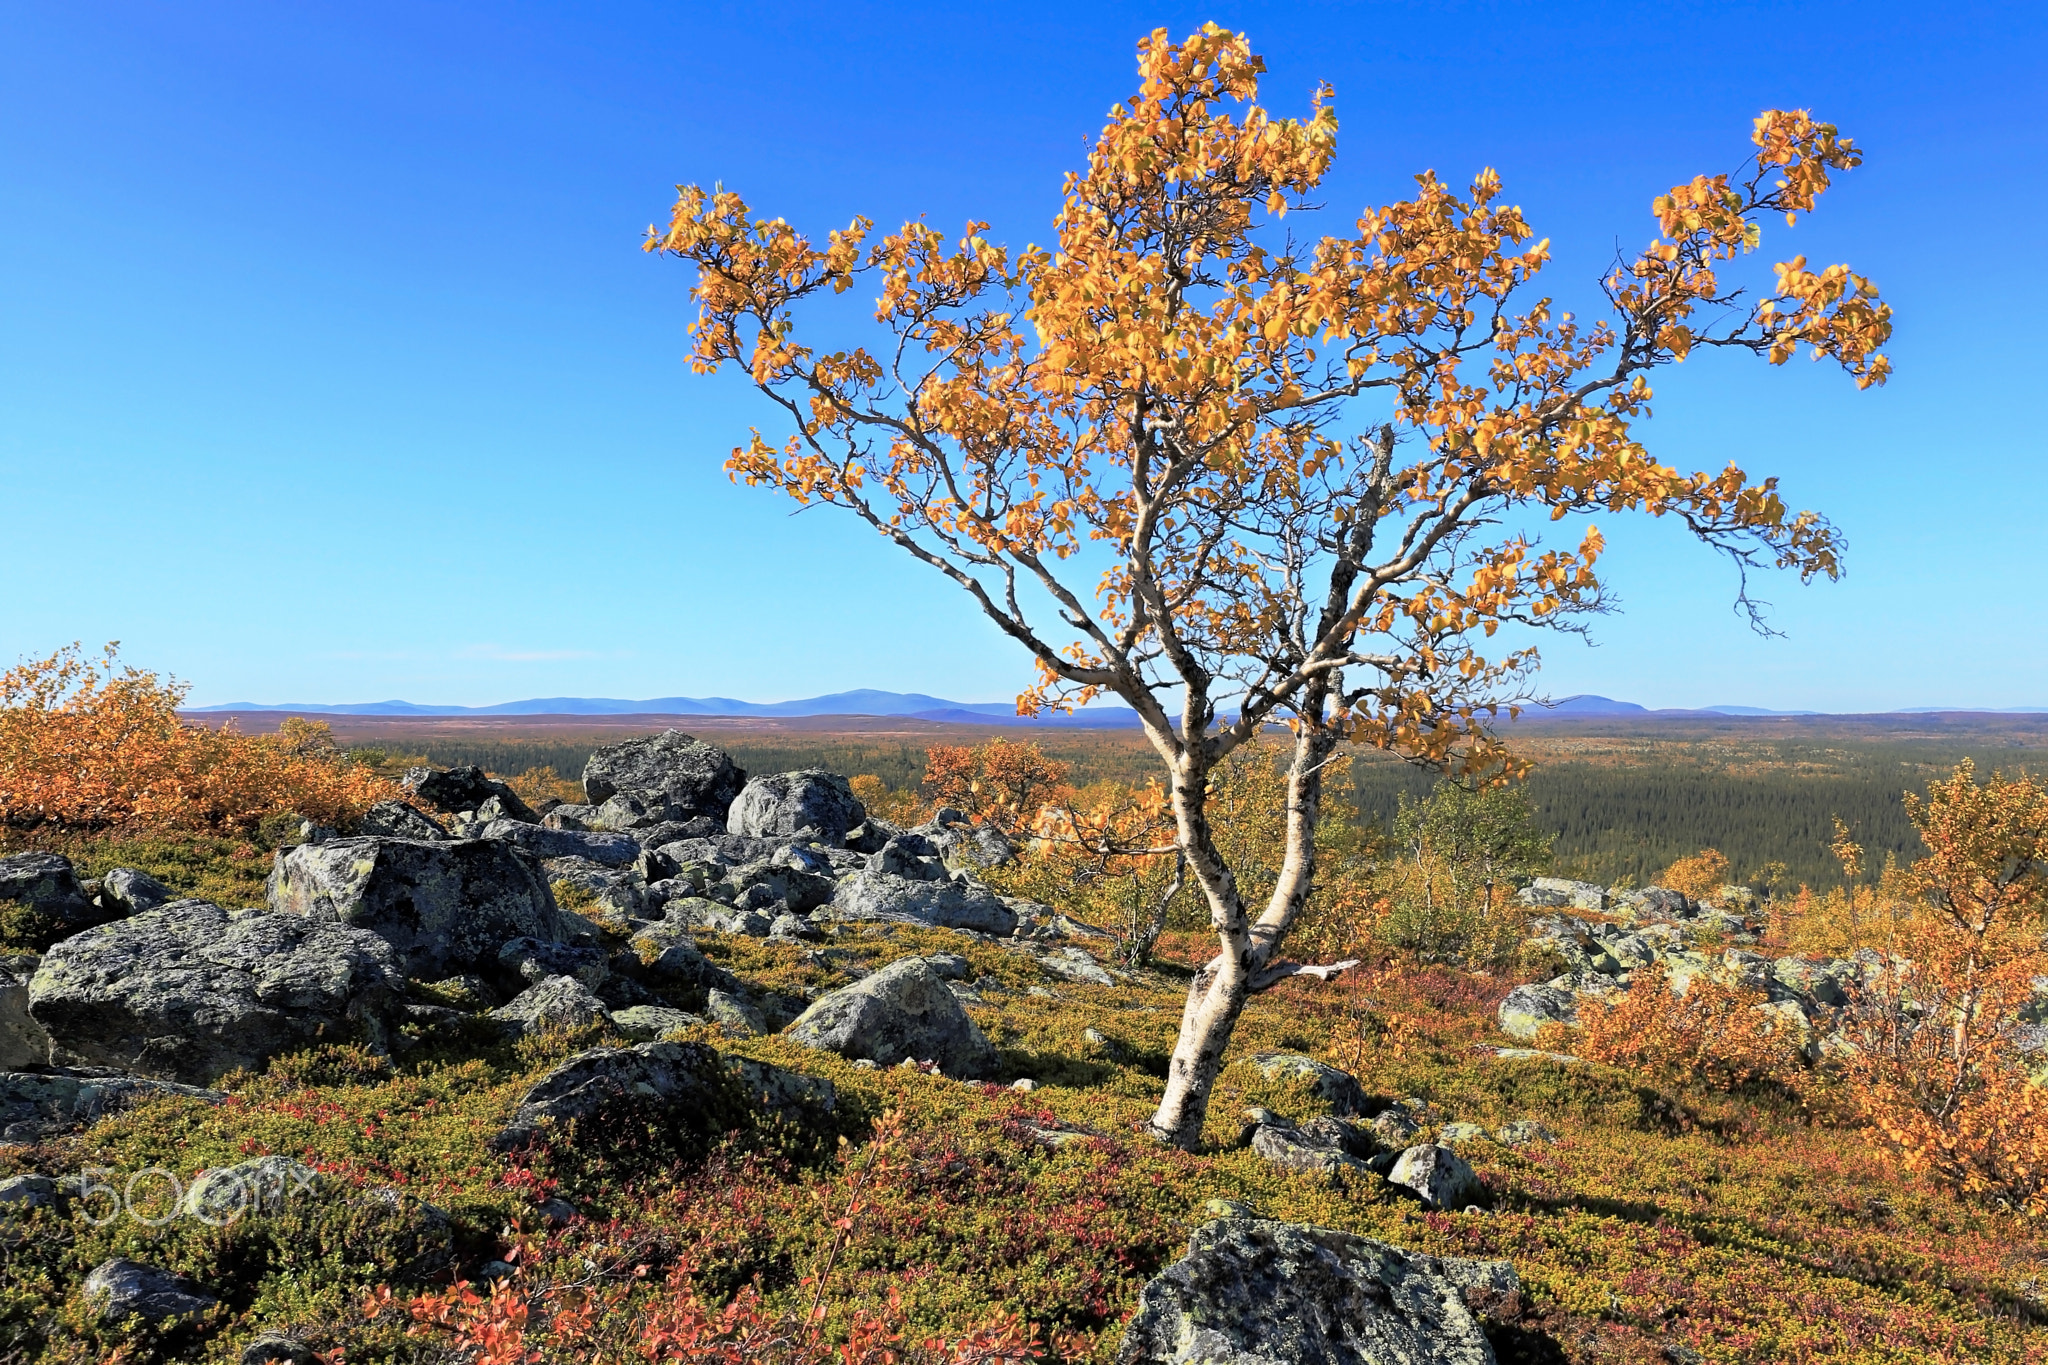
129	891
1563	892
557	1005
667	952
948	904
258	1187
812	802
47	900
23	1042
730	1011
902	1012
670	772
1438	1176
1252	1291
445	907
57	1100
400	820
188	992
645	1023
1528	1008
527	962
1338	1091
1306	1149
120	1289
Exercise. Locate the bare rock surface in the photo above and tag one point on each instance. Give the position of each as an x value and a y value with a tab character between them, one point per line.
1252	1291
902	1012
671	772
446	908
54	1100
188	992
813	802
120	1289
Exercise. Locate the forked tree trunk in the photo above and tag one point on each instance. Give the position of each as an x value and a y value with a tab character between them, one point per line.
1220	990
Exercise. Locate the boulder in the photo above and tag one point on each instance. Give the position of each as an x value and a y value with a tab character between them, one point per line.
645	1023
1320	1149
465	788
23	1193
22	1040
399	820
606	850
670	772
902	1012
529	961
667	952
52	1101
1523	1132
729	1010
260	1188
1658	903
686	1085
1395	1128
51	902
556	1005
1252	1291
273	1348
1563	892
813	802
129	891
945	904
188	992
445	907
1438	1176
1528	1008
1338	1091
120	1289
1074	964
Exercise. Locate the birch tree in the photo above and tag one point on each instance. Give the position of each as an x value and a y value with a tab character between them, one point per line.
1238	477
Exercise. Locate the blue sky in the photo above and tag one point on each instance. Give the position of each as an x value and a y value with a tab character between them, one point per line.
330	368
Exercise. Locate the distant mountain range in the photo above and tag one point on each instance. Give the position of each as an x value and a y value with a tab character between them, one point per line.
862	702
918	706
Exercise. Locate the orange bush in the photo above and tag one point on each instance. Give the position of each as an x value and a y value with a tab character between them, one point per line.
1701	876
88	744
1001	782
1712	1033
1936	1029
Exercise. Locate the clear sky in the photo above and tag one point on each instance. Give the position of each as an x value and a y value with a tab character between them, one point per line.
331	369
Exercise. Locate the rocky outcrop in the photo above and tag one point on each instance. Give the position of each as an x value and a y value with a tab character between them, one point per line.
398	820
686	1087
1252	1291
1338	1091
1528	1008
537	841
946	903
446	908
188	992
466	789
52	1101
902	1012
812	803
46	897
1438	1176
671	773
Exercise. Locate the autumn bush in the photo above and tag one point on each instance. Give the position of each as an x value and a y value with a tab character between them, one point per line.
91	745
1709	1033
1699	877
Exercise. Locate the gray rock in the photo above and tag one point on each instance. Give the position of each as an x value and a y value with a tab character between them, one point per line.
21	1193
945	904
791	926
607	850
48	1103
1528	1008
557	1004
949	966
1306	1150
47	884
530	961
465	788
272	1348
723	1007
812	802
1339	1092
902	1012
670	772
128	891
23	1042
1074	964
188	992
645	1023
1395	1127
1658	903
260	1187
667	952
120	1289
1256	1292
400	820
1523	1132
1563	892
570	816
682	1080
1819	980
445	907
1451	1134
1438	1175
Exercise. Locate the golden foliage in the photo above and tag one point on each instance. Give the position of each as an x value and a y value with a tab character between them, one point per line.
1000	782
1699	877
90	744
1712	1033
1937	1028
